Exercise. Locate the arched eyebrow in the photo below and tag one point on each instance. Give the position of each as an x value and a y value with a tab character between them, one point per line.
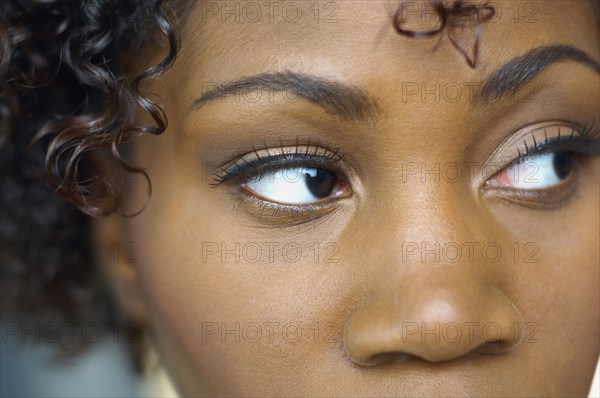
520	70
341	99
352	103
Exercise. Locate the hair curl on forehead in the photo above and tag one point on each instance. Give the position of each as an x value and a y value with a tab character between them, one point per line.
456	18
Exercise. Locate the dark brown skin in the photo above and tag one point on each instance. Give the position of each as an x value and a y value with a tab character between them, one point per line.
367	303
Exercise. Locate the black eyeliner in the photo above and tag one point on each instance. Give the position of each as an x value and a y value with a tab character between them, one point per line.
244	169
586	142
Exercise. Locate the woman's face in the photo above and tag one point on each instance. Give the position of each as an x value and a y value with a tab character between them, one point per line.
350	218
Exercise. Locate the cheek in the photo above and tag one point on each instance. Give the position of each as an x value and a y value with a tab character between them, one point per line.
576	317
560	295
225	299
565	306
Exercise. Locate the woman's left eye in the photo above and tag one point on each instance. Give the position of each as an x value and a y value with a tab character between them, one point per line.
297	185
535	172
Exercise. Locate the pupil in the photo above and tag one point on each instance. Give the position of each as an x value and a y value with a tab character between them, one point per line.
321	185
562	162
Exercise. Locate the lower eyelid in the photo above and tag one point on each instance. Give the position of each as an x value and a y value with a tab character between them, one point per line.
548	199
538	199
282	215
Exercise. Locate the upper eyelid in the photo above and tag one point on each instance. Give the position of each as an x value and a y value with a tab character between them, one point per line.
586	133
583	138
513	148
296	148
271	162
578	143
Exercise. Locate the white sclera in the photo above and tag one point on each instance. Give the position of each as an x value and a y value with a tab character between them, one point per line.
286	186
536	172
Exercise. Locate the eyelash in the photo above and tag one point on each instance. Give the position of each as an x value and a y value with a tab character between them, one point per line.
316	155
581	145
586	142
255	165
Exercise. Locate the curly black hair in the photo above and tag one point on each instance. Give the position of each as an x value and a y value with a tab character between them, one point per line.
64	92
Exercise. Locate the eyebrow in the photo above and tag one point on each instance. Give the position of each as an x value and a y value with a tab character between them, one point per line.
346	101
351	103
520	70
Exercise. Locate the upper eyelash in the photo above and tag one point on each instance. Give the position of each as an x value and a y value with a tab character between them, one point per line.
313	155
586	141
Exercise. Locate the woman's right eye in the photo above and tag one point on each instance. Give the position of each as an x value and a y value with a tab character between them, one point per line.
297	186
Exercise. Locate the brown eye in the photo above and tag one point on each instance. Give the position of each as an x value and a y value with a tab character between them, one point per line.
321	183
297	185
563	164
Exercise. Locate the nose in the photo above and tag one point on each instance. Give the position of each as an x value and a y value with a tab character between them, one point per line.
435	320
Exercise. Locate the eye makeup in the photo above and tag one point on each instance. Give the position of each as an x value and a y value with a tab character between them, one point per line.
258	162
286	185
543	138
538	165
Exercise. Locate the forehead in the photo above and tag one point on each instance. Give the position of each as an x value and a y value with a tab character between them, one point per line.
224	40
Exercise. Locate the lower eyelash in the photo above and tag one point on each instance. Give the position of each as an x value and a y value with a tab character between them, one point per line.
275	214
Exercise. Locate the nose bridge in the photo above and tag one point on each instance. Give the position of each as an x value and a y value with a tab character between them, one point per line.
434	222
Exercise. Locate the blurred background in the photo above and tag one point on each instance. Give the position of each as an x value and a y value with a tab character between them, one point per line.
105	370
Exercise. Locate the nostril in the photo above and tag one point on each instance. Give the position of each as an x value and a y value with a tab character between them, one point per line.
445	324
385	357
493	347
